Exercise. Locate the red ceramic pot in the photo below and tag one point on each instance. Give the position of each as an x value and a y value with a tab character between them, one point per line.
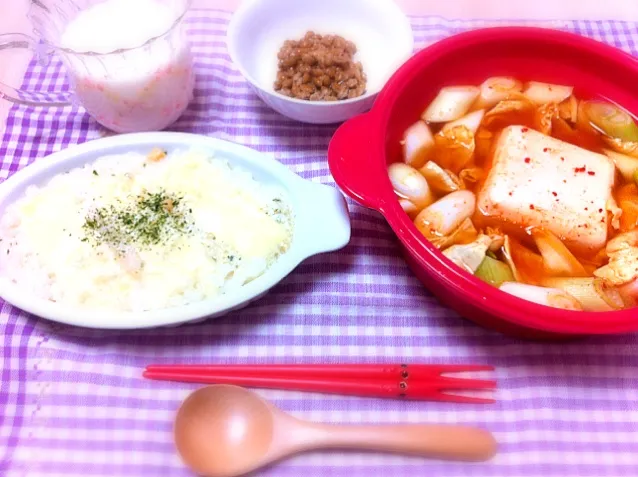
362	148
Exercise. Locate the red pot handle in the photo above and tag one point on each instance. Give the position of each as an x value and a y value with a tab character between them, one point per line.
353	165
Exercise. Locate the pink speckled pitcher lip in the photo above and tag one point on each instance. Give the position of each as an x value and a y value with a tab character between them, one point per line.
47	44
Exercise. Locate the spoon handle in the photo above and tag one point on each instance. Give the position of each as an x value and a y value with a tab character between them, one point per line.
448	442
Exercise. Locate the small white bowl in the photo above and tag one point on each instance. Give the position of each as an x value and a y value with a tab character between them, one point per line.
378	28
322	224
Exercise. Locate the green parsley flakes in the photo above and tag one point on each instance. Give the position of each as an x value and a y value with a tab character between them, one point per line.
148	219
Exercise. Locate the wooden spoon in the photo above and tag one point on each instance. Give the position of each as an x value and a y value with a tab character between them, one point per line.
227	431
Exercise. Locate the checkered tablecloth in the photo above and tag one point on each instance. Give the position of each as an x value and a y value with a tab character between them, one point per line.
73	403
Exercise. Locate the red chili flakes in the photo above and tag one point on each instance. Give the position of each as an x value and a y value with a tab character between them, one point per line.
580	169
545	149
524	130
600	210
531	206
527	160
586	209
562	159
510	194
591	173
564	181
555	194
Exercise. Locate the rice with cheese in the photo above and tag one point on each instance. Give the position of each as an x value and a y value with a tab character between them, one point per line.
135	232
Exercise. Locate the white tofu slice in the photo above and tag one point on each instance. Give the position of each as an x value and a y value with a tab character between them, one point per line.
536	180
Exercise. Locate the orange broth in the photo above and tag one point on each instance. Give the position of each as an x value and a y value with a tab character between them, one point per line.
528	260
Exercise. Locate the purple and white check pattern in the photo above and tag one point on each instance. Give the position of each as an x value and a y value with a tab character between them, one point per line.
74	403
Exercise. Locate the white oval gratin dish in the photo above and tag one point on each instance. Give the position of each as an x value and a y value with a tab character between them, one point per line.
321	224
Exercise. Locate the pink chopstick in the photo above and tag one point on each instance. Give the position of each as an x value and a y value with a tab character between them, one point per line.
419	382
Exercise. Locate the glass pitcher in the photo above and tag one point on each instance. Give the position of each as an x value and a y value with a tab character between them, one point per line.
141	87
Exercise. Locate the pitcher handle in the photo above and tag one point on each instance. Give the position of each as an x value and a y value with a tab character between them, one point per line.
29	98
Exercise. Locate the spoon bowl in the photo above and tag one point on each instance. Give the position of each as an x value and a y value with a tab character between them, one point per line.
228	431
223	431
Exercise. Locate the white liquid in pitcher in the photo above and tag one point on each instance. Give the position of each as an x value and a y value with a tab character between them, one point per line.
144	86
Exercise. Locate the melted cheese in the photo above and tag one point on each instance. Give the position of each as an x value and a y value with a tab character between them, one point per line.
237	228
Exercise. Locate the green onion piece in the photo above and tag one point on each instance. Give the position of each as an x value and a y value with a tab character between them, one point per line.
611	120
494	272
592	293
627	165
